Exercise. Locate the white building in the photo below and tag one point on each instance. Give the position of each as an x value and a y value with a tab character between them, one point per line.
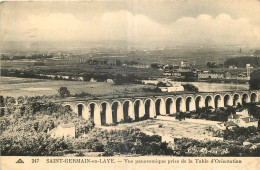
65	77
63	130
184	64
243	113
232	67
154	82
93	80
109	81
81	79
207	75
172	87
243	119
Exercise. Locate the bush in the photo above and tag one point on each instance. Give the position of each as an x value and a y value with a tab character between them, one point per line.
191	147
64	92
128	79
133	141
30	144
26	141
240	134
190	87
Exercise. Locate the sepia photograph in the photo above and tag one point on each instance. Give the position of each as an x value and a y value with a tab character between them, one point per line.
144	80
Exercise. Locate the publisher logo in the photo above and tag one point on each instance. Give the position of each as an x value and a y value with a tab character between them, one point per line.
20	161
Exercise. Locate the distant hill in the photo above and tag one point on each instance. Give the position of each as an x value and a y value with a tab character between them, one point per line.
242	61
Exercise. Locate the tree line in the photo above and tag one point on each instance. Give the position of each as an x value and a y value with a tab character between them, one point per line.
241	62
119	79
34	56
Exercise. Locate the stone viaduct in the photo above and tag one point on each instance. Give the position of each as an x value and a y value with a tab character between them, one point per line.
107	111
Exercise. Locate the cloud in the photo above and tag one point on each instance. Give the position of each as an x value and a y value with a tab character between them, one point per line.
219	30
124	25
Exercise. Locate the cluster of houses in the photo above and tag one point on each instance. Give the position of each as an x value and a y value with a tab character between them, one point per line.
240	119
221	75
182	71
186	71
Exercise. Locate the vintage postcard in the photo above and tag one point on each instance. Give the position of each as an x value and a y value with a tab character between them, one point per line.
130	84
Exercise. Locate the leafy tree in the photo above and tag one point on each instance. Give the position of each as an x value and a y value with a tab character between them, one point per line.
64	92
120	79
212	65
209	64
254	111
2	101
190	87
161	84
242	61
255	80
155	66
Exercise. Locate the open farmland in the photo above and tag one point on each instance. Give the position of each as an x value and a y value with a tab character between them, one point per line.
12	86
15	87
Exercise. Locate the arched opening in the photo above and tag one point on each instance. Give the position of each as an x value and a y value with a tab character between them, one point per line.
245	98
209	102
227	100
253	98
128	110
92	108
169	106
116	112
149	109
180	105
190	104
236	99
199	102
105	113
218	101
94	113
80	110
139	109
159	107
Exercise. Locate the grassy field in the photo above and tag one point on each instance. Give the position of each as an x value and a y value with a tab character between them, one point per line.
11	86
75	67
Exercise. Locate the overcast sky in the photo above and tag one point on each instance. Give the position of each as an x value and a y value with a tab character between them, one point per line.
144	21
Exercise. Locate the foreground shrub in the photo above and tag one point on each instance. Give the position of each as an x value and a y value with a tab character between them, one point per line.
241	134
117	142
191	147
131	141
30	144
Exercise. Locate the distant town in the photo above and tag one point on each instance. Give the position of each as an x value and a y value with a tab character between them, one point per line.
112	64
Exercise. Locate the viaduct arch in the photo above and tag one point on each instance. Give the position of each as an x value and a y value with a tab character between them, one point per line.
108	111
